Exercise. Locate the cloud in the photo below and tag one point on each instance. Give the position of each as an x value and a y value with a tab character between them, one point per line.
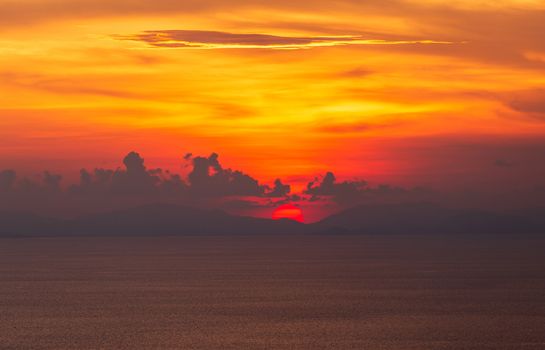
201	39
356	73
69	86
502	163
136	179
7	180
93	183
211	185
209	179
173	185
346	191
242	204
494	33
531	103
279	190
25	192
208	183
506	32
358	127
52	182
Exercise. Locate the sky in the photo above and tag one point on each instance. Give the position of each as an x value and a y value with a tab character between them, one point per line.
404	96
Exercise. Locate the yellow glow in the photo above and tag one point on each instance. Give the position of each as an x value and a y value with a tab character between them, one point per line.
418	69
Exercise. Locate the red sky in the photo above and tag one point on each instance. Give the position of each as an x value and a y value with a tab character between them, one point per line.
448	95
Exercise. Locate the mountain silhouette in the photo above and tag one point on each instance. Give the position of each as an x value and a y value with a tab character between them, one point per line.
154	219
429	218
167	219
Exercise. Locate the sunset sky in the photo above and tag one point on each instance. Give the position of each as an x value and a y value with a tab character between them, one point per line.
448	95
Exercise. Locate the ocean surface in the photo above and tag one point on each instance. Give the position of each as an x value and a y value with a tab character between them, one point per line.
273	292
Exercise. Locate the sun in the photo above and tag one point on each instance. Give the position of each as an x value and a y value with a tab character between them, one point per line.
288	211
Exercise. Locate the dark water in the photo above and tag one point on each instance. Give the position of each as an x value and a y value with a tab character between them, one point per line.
272	293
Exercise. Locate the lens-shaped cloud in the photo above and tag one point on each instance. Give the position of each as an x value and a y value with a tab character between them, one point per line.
202	39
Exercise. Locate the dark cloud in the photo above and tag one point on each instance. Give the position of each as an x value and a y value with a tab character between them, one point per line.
133	184
48	184
530	103
136	179
209	179
502	34
201	38
221	40
279	189
257	205
173	185
346	191
95	183
295	198
52	182
210	185
289	199
241	204
29	193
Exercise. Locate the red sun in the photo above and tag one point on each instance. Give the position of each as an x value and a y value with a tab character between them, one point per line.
288	211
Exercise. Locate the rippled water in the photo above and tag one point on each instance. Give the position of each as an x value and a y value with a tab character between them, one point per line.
281	292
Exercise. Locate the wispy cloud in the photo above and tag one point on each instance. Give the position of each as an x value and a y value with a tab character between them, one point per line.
200	39
530	103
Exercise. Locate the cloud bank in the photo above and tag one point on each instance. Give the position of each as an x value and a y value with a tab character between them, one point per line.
354	192
209	184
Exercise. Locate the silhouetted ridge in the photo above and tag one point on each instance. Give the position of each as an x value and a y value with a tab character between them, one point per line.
28	224
156	219
167	219
429	218
164	219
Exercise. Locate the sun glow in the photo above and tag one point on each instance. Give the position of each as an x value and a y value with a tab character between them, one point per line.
364	78
288	211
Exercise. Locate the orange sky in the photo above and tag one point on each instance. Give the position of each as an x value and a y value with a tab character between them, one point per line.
381	90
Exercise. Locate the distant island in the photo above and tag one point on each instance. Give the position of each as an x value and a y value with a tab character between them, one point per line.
169	219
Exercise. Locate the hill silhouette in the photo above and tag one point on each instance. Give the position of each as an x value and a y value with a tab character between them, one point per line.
167	219
429	218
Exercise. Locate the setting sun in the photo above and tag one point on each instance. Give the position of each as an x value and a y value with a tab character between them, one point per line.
244	174
288	211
